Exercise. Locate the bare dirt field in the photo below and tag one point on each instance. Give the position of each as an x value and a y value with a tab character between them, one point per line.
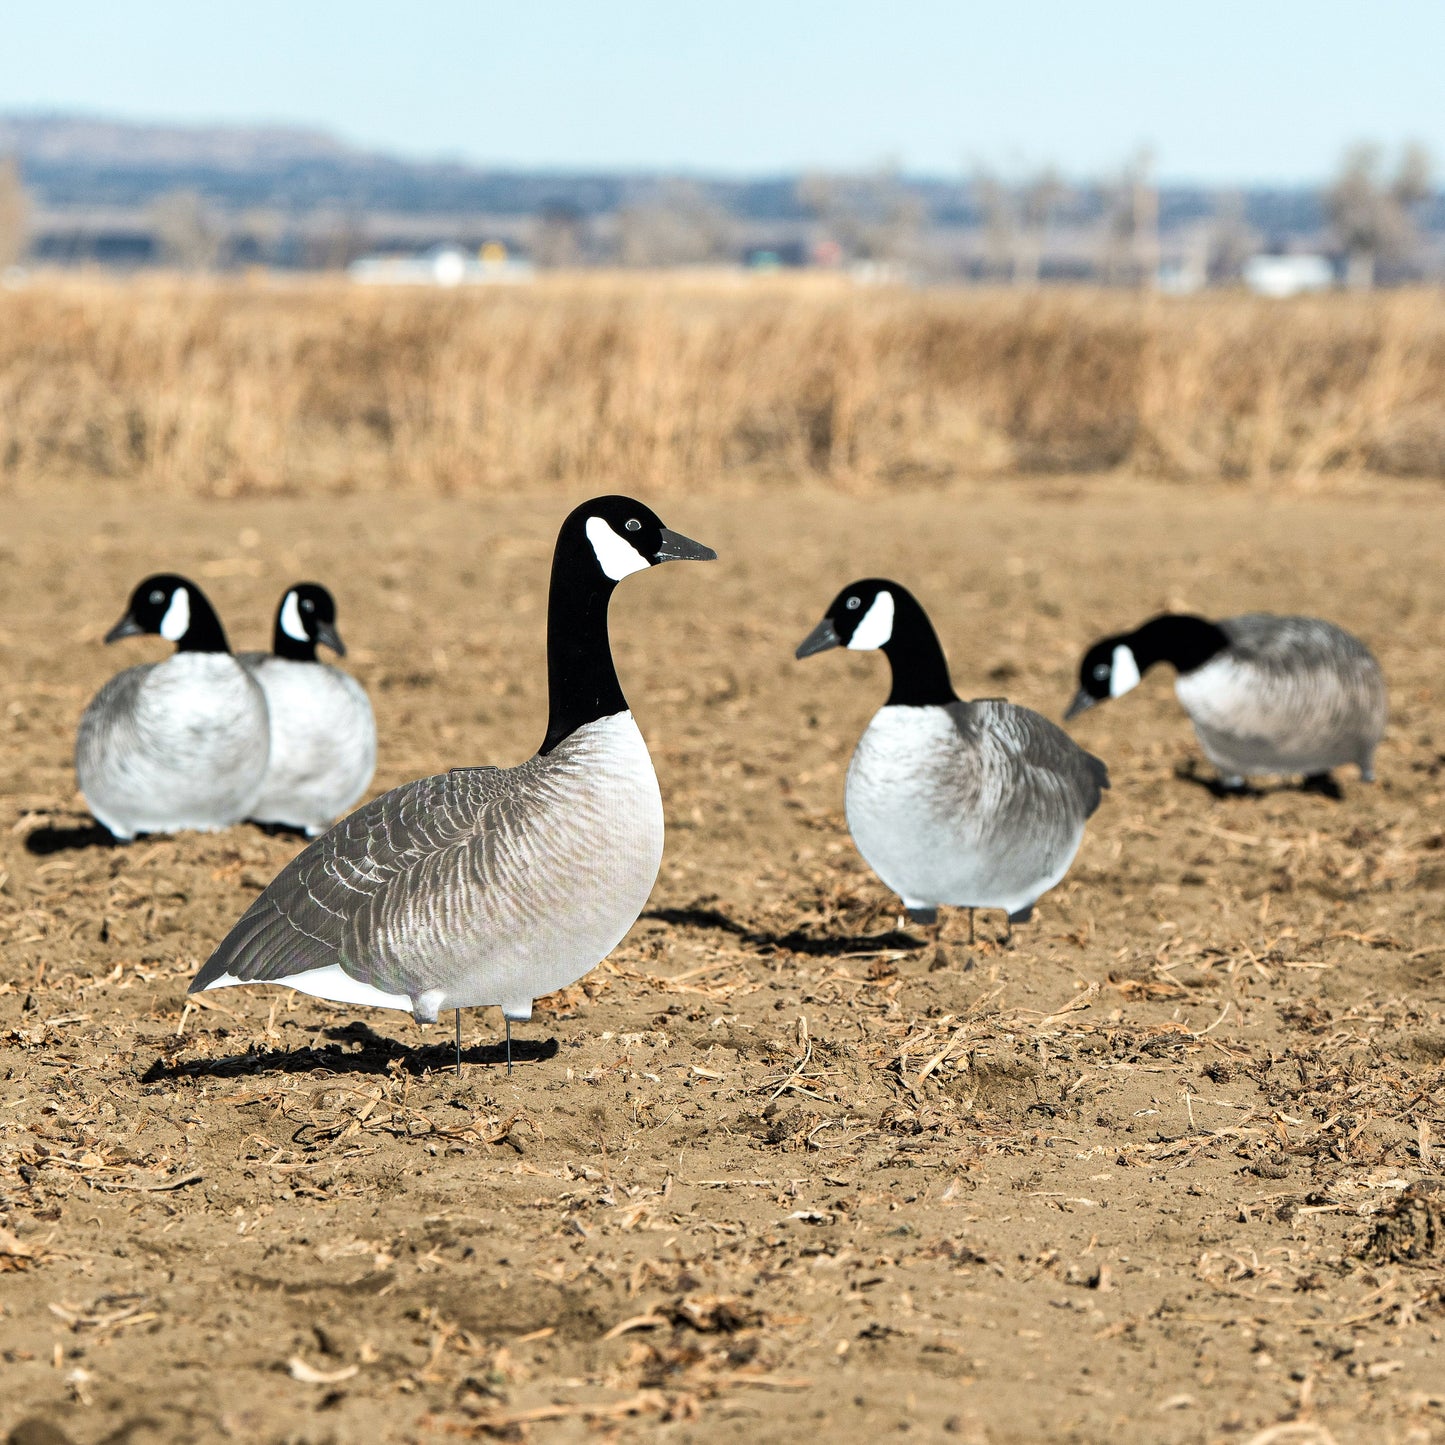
1159	1171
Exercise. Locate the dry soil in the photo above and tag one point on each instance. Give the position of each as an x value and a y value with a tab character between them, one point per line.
1160	1170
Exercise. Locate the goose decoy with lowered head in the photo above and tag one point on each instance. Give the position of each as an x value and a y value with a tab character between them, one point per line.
178	744
1266	694
323	734
488	885
975	804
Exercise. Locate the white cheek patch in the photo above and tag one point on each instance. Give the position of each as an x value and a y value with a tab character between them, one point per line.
291	619
177	621
616	556
876	627
1124	672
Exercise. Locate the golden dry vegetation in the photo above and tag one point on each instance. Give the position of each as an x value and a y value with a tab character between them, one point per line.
259	386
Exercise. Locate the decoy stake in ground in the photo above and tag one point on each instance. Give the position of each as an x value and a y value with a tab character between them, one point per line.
1266	694
488	885
179	744
976	804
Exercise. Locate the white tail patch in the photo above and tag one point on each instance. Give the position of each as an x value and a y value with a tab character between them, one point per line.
616	556
177	621
291	623
331	983
1123	672
876	627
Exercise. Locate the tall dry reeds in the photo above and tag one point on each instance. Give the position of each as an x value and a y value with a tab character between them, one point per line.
222	388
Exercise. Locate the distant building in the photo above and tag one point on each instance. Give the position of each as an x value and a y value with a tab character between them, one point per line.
442	266
1288	275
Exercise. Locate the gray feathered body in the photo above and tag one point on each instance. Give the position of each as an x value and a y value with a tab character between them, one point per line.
174	745
323	741
476	887
974	804
1289	695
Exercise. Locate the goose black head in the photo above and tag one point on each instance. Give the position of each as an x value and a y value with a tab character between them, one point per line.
306	618
600	543
624	536
172	607
1115	665
875	613
1109	669
861	617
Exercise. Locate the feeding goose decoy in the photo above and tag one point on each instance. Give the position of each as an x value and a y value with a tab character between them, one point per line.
974	804
173	745
488	885
323	734
1266	694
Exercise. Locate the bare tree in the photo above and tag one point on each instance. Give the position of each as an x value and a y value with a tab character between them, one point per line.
188	234
1230	242
873	217
1373	217
998	204
1039	197
14	214
681	227
1131	240
558	234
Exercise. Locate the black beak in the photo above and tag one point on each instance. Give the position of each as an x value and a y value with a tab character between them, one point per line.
674	547
327	634
126	627
820	639
1082	703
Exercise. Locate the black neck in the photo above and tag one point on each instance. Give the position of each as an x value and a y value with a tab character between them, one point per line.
920	670
582	682
1183	641
284	645
205	634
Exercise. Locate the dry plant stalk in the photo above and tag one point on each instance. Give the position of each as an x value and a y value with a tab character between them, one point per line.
224	388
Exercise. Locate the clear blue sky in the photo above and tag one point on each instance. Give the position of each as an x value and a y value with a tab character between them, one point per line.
1221	90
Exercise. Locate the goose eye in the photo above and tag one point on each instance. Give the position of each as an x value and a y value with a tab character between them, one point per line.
633	525
1101	671
307	605
158	597
852	604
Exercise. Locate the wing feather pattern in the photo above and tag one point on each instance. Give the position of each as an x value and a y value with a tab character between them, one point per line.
344	889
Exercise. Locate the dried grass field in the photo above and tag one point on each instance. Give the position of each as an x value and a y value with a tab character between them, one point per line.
1163	1170
241	388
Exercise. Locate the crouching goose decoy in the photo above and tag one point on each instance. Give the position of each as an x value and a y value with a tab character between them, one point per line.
177	744
488	885
976	804
323	735
1266	694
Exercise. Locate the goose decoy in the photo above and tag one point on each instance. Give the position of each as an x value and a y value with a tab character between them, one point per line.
323	734
178	744
975	804
1266	694
488	885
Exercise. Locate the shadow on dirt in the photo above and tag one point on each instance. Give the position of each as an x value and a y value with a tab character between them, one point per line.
280	830
44	841
795	941
1323	785
352	1048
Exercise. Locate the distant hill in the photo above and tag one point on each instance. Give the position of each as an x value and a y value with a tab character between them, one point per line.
292	196
72	161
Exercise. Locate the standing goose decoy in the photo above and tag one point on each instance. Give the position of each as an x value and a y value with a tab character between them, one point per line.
177	744
488	885
323	735
1266	694
975	804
